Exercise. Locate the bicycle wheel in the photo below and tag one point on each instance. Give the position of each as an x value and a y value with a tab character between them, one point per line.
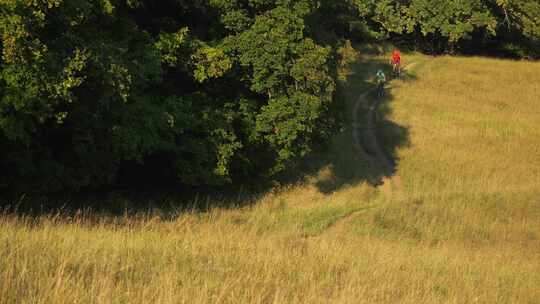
380	90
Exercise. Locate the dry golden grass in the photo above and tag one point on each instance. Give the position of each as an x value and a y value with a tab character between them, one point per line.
466	228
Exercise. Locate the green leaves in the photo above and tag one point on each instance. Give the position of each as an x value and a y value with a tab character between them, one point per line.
71	77
119	83
173	47
210	63
454	20
292	72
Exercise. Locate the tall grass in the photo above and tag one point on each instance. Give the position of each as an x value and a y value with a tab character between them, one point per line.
465	229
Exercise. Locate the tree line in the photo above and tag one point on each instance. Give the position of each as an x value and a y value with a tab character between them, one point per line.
202	92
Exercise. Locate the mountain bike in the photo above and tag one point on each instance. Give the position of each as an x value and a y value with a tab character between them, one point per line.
397	69
380	89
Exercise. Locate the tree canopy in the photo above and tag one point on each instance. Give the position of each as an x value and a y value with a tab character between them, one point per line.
200	92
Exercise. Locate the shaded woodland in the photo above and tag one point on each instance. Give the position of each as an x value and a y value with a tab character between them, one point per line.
95	93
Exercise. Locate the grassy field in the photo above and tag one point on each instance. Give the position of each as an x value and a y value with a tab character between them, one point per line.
461	226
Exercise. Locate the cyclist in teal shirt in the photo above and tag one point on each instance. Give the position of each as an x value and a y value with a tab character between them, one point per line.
381	80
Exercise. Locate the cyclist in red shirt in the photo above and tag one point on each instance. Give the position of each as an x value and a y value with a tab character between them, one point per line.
396	62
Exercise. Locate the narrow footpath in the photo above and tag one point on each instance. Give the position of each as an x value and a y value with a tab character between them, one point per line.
368	145
365	140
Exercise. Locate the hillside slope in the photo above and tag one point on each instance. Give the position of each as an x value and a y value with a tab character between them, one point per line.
463	135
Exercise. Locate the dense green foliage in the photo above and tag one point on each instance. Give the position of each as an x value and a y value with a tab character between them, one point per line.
198	92
193	91
511	27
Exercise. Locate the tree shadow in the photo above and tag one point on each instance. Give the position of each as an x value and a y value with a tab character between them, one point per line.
367	150
117	203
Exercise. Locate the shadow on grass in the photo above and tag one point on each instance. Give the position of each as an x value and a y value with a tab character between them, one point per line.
164	202
378	137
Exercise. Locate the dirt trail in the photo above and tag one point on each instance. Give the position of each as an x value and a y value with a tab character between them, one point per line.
367	143
341	226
